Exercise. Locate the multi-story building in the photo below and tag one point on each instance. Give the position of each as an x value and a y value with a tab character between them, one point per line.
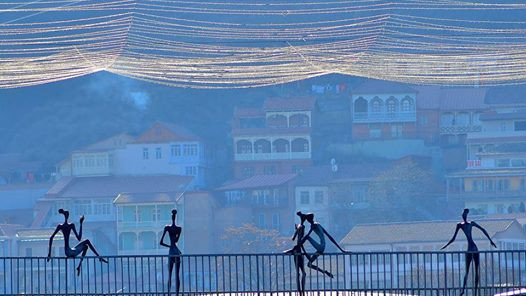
164	148
274	139
266	201
167	148
93	197
383	110
98	159
494	180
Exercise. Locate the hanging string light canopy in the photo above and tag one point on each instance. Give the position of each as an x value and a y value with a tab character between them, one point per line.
235	43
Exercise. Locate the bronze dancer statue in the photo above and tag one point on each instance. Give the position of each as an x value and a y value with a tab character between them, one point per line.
174	232
82	247
319	246
298	250
472	252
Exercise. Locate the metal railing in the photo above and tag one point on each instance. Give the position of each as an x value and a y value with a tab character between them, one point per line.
378	273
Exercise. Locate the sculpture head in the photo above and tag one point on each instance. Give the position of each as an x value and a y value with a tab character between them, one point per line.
174	214
302	216
65	213
309	217
465	214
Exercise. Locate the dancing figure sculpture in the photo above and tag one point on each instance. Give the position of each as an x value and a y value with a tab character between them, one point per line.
472	253
174	232
319	246
298	251
81	247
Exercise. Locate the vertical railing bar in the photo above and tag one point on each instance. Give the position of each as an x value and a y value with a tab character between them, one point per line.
513	267
203	272
195	271
94	274
216	273
210	273
520	269
155	275
506	268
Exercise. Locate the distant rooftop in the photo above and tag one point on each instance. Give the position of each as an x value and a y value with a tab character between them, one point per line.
507	95
373	86
258	181
289	104
111	186
428	231
162	132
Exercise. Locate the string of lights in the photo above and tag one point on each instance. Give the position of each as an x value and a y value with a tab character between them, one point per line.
229	44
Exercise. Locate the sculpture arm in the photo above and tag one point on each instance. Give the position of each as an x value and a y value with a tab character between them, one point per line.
306	237
78	235
51	242
485	233
333	240
453	238
295	232
178	235
162	239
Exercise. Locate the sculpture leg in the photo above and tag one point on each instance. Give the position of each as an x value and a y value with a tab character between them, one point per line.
171	262
476	258
469	257
92	248
177	268
312	266
84	251
303	275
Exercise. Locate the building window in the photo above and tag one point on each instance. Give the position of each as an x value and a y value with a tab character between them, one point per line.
503	163
158	153
145	153
318	197
83	207
520	125
269	170
275	221
261	220
102	207
304	197
175	150
391	105
407	104
248	172
190	149
191	171
396	131
375	133
376	105
423	120
503	185
234	197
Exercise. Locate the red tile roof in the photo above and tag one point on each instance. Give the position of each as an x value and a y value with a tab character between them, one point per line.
289	104
138	198
9	230
259	181
468	98
114	142
163	132
428	97
111	186
248	112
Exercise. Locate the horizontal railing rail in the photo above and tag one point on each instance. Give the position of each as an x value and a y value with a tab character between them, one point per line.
367	273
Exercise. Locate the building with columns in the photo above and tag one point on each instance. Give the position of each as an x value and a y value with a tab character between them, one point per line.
274	139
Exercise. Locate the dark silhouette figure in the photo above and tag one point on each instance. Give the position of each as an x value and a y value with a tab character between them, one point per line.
472	252
174	232
82	247
298	250
319	246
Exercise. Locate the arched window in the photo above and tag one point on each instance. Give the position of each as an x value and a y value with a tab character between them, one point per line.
277	120
243	147
147	240
262	146
407	104
300	145
392	105
299	120
280	146
360	105
376	105
128	241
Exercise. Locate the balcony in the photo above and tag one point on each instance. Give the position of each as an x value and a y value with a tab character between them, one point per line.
135	225
271	156
376	117
496	135
456	130
488	195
